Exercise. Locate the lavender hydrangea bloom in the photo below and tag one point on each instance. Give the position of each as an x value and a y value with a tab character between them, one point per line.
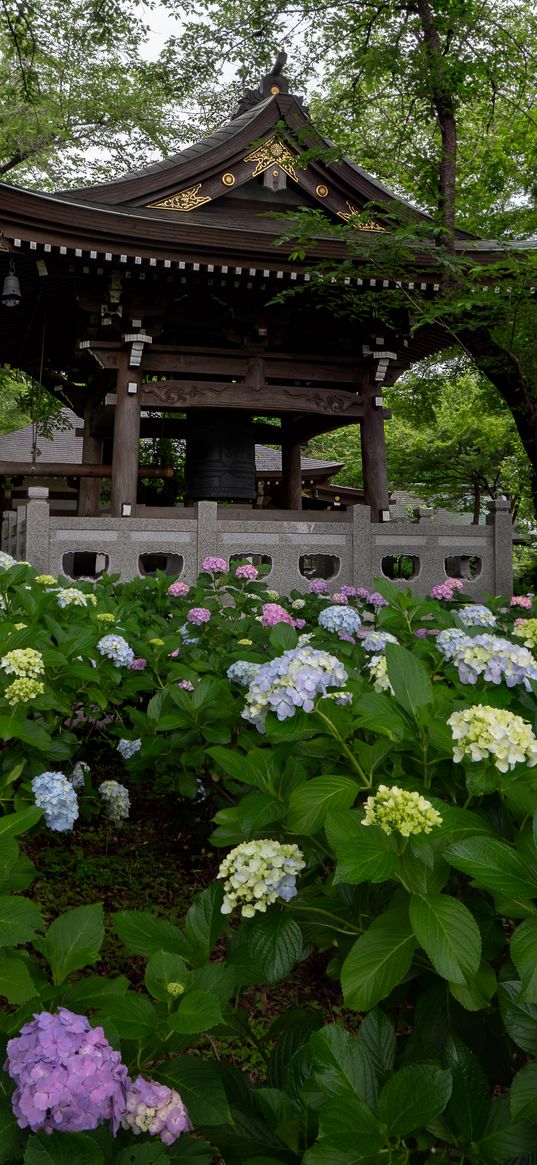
68	1077
116	648
55	794
291	681
214	564
340	619
494	659
128	748
376	640
156	1109
199	615
318	586
242	671
449	639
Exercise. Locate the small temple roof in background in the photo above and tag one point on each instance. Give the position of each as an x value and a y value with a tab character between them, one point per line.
65	447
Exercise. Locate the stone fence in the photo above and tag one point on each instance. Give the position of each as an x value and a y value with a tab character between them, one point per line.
298	545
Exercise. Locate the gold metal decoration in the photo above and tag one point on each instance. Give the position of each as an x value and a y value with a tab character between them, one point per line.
275	89
183	200
228	179
322	191
272	152
368	226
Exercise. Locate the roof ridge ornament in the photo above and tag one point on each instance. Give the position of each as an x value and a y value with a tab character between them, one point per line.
270	85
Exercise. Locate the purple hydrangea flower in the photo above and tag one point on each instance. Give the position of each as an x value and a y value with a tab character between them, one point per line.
156	1109
318	586
376	599
198	615
292	680
187	685
138	664
68	1077
214	564
339	597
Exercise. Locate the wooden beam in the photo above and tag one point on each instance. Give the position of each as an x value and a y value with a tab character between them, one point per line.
68	469
126	445
270	398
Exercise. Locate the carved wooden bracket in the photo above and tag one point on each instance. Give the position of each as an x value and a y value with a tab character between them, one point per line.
268	398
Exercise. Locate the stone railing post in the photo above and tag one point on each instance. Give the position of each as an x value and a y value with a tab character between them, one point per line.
37	528
499	517
207	530
361	546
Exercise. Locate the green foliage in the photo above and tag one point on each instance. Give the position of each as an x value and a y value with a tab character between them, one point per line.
428	936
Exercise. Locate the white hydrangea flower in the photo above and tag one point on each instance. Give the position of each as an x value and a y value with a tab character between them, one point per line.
23	661
257	873
71	597
484	733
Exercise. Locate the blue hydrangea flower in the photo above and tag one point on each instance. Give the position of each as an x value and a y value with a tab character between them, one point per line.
476	615
340	618
292	680
494	659
242	671
187	638
78	774
128	748
55	794
116	648
449	639
376	640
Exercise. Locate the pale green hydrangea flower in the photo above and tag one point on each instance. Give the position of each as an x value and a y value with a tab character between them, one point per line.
45	580
401	811
22	690
526	629
23	661
273	596
378	671
156	642
257	873
106	617
483	733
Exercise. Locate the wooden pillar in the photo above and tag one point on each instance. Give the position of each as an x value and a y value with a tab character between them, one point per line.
291	474
89	490
126	439
374	453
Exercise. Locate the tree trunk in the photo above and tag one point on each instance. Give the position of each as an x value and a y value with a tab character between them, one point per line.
477	502
444	110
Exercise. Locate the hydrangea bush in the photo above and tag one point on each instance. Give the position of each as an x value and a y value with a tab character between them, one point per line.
378	835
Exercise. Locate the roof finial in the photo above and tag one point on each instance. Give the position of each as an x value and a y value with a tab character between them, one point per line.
270	85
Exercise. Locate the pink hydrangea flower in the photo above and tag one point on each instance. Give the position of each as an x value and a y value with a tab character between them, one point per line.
178	589
444	590
214	564
298	624
521	601
318	586
138	664
421	633
175	653
361	593
339	597
273	613
346	638
248	572
198	615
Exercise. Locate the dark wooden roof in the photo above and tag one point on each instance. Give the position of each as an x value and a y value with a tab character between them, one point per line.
220	206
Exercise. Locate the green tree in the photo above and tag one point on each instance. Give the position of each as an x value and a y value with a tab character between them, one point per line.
451	441
79	101
443	93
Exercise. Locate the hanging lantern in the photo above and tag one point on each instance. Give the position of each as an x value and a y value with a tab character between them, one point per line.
11	291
